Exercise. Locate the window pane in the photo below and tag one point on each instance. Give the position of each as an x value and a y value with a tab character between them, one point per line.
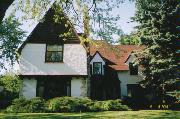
54	56
48	56
97	68
133	69
54	47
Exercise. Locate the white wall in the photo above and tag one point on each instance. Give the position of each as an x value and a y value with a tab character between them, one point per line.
126	78
29	88
32	61
97	58
77	87
1	88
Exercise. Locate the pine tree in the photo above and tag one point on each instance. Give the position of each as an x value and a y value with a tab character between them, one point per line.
158	28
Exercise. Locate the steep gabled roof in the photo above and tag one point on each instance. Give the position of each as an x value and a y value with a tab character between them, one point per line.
50	31
118	54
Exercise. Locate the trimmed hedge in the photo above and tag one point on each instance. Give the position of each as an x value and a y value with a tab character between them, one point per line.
65	104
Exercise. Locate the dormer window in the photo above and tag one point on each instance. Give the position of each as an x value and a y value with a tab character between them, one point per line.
97	67
133	69
54	53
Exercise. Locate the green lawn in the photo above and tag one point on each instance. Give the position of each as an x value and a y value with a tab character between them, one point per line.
144	114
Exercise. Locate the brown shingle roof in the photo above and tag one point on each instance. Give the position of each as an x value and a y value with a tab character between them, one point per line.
116	54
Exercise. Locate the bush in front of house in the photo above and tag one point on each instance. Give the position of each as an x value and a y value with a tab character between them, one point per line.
114	105
68	104
64	104
109	105
26	106
71	104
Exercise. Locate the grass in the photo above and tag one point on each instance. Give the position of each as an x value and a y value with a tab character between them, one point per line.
143	114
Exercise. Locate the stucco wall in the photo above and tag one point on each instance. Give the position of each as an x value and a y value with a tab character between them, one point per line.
1	88
78	87
32	61
126	78
97	58
29	88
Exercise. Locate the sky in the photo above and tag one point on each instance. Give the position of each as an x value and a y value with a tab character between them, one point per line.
126	11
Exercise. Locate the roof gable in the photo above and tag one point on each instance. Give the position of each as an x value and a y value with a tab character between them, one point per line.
95	55
117	54
50	31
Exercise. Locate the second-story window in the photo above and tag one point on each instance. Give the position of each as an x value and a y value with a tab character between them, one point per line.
133	69
54	53
97	68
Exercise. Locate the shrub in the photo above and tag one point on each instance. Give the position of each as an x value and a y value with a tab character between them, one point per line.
109	105
114	105
65	104
68	104
22	105
96	106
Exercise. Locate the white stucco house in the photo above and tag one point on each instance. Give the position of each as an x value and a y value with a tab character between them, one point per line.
52	65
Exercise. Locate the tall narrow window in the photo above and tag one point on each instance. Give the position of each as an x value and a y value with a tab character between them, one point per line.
54	53
97	68
133	69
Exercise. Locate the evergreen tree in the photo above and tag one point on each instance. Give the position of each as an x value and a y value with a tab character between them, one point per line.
158	28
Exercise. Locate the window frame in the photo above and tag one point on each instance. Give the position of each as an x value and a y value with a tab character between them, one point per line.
93	68
61	61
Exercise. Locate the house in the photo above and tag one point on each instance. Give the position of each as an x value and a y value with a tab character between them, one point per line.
120	78
52	64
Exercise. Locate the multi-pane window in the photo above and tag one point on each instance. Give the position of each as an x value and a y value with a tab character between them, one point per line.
133	69
54	53
97	68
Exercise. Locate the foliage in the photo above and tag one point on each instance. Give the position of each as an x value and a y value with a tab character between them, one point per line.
68	104
26	106
109	105
10	38
11	84
114	105
158	23
71	104
95	14
131	39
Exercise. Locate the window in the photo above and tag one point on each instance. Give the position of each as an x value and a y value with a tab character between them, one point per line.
134	90
133	69
97	68
54	53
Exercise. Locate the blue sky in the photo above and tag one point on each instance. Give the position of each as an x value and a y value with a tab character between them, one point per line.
126	11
